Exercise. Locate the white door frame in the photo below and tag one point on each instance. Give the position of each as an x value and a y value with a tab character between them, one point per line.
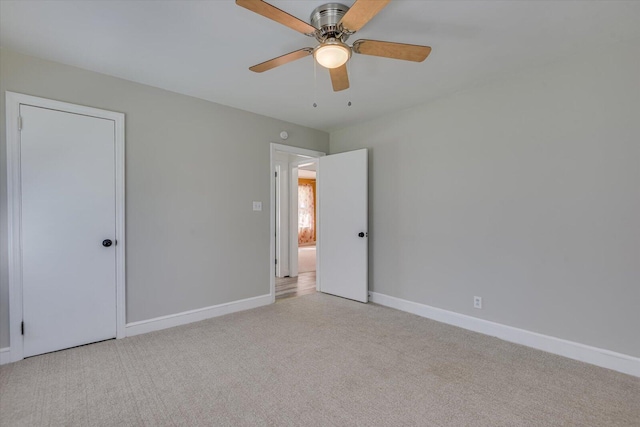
272	251
281	216
14	197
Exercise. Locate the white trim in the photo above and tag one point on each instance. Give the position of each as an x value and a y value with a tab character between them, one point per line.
164	322
13	102
293	220
596	356
296	150
5	355
318	228
282	217
120	247
272	212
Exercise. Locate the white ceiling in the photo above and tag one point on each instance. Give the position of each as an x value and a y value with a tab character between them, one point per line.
306	174
204	48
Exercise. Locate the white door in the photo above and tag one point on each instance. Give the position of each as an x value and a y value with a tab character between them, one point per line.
342	224
68	212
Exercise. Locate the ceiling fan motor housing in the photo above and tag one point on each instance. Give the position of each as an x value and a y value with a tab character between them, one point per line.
332	24
326	18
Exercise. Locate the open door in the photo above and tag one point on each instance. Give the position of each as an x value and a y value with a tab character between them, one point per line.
342	225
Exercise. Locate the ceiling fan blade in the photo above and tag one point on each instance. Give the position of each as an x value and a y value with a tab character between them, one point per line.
281	60
406	52
361	12
268	11
339	78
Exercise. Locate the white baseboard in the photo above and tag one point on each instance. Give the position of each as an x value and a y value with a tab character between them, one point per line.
596	356
5	355
164	322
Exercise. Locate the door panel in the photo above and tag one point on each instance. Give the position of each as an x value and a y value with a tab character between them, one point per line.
342	206
68	209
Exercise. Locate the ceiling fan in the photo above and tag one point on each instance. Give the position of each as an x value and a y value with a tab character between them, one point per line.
331	25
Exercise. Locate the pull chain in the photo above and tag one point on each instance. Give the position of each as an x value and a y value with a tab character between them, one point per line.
315	84
350	65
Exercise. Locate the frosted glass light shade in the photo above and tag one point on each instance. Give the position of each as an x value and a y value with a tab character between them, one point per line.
332	54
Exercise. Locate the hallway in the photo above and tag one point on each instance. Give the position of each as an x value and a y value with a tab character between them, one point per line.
304	284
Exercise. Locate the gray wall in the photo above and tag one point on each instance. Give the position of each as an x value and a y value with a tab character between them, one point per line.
192	170
525	191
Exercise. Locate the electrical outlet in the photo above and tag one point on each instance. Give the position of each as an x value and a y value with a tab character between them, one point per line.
477	302
257	206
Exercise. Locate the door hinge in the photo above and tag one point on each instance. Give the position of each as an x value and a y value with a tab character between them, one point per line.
276	261
19	122
22	328
276	174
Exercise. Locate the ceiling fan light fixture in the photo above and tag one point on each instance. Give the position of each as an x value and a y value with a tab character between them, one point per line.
332	54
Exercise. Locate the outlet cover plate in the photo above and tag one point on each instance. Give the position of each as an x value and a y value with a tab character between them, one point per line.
477	302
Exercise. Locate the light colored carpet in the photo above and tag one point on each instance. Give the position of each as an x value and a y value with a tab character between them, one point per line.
306	259
314	360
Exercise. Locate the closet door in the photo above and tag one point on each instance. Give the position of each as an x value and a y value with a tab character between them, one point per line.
67	164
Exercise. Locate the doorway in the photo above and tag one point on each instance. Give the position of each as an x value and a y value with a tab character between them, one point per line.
303	217
307	218
294	221
341	235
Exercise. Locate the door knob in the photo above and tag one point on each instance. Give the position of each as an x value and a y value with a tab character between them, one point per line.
106	243
361	234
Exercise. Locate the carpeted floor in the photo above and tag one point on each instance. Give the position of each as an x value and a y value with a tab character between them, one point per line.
314	360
